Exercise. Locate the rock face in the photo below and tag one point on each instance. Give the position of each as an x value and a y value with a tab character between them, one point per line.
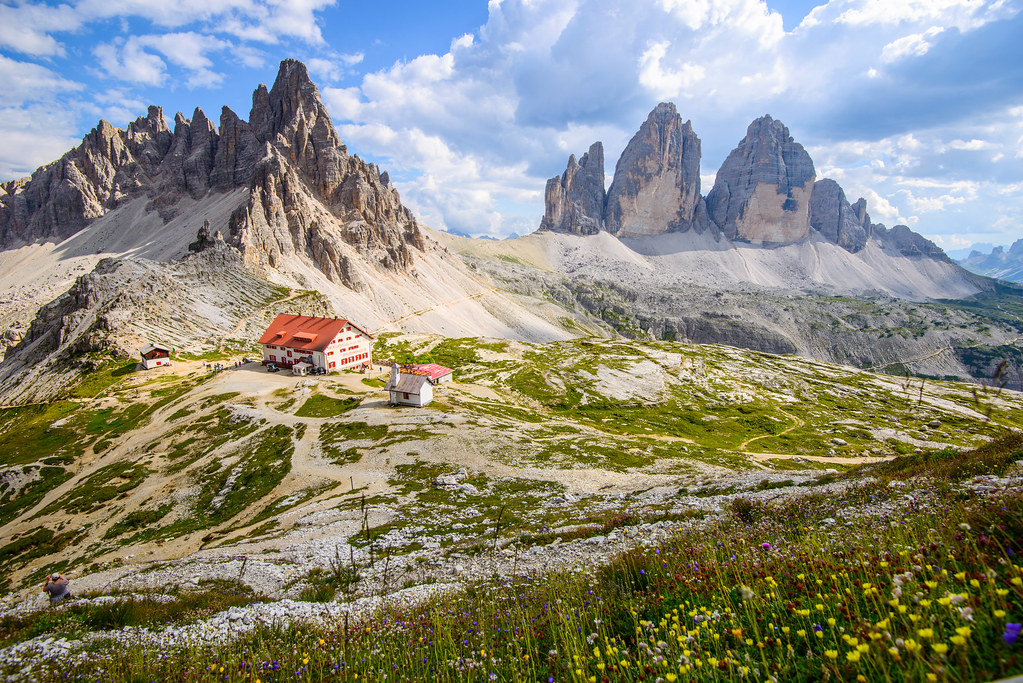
762	190
574	202
656	186
846	225
306	194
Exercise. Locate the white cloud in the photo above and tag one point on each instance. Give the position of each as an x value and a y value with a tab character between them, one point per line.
663	81
27	27
25	81
914	45
128	61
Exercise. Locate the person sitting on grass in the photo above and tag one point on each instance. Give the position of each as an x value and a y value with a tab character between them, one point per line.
56	587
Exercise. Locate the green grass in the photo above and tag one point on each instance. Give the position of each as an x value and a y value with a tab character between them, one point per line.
326	406
104	485
110	373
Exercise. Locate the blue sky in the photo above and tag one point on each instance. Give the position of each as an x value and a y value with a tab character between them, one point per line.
916	105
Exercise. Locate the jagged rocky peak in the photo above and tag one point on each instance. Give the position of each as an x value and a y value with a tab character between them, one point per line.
762	191
574	202
306	194
847	225
656	186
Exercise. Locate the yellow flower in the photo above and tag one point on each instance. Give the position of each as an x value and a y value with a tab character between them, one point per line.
801	633
819	634
926	633
912	645
1001	592
940	648
670	677
958	640
1016	581
964	631
944	602
863	648
932	677
785	630
305	660
999	613
831	621
820	607
831	654
853	656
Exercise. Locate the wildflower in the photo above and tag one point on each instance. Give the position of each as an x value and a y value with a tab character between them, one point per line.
964	631
999	613
926	633
765	546
746	593
958	640
940	648
1011	634
912	646
853	656
831	654
966	613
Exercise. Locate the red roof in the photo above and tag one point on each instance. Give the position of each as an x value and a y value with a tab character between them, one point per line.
304	332
432	370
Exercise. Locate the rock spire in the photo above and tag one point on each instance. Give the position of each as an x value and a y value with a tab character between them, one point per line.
762	191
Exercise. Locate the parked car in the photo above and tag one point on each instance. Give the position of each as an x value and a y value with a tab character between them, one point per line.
272	368
320	371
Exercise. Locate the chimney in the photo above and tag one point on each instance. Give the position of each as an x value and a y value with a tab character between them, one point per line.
393	382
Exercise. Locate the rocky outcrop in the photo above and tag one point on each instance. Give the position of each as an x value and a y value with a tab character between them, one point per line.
845	224
306	194
908	243
656	186
1006	265
110	167
762	190
574	202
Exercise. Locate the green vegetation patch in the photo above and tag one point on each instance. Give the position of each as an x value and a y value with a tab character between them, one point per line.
29	434
108	374
103	485
326	406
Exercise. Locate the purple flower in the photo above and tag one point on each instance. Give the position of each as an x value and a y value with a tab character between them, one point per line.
765	546
1011	634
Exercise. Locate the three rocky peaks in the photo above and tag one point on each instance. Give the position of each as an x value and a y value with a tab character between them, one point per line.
765	192
299	189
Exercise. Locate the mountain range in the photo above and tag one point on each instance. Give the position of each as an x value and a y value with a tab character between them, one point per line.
999	263
196	235
765	193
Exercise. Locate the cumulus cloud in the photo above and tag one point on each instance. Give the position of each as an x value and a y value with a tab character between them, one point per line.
913	45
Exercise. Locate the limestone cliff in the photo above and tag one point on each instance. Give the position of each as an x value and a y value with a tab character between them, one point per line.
306	194
762	191
848	225
656	186
845	224
574	202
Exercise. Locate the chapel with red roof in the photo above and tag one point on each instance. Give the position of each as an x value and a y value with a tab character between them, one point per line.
328	343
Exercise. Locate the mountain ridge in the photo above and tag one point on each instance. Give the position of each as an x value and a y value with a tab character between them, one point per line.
765	193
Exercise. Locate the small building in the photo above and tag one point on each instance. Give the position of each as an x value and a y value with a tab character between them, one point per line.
301	368
437	374
327	343
409	389
154	355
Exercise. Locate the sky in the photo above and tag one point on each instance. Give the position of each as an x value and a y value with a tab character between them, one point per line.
916	105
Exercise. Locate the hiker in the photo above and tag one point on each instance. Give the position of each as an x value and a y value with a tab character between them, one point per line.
56	586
